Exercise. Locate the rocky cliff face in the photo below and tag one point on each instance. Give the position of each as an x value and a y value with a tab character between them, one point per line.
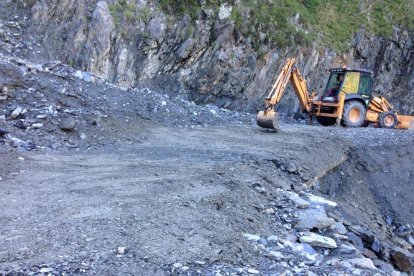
206	57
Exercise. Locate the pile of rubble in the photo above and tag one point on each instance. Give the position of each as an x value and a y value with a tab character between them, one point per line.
314	239
53	106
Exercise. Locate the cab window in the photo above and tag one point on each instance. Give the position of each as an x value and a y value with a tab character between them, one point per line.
351	83
365	85
334	83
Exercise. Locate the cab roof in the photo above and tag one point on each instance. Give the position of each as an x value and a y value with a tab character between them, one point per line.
351	70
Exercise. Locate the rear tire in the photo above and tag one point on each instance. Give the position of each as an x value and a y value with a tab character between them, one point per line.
326	121
354	114
388	119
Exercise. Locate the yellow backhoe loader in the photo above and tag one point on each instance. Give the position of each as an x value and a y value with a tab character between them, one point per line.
347	100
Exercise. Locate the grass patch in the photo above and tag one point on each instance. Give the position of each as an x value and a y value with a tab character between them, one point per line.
123	12
281	23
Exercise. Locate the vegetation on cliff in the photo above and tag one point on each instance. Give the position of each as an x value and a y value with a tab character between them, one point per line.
286	22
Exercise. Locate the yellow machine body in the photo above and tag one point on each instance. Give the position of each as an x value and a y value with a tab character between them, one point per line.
347	99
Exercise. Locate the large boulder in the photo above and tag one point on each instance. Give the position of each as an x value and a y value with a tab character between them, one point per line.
313	218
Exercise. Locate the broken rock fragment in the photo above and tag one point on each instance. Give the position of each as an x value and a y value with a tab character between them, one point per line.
299	202
67	124
16	112
313	218
362	263
318	240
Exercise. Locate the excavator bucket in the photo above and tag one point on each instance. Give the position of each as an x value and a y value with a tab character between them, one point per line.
268	119
406	122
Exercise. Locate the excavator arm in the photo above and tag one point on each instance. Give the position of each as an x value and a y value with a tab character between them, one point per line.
268	118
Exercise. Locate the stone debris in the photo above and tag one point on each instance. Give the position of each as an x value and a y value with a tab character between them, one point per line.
362	263
46	270
411	240
67	124
251	237
317	240
37	125
121	250
317	200
340	228
300	203
252	271
16	112
313	218
277	255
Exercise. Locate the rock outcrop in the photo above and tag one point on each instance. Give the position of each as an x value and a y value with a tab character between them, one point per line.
207	56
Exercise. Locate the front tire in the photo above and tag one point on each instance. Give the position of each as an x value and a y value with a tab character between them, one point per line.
388	119
354	114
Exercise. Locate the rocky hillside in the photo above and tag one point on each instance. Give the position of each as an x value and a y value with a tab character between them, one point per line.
225	53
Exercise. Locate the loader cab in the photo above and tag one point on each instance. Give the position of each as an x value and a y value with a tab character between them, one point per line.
355	83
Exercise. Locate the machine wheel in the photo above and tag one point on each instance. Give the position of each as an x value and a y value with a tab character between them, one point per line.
326	121
388	119
354	114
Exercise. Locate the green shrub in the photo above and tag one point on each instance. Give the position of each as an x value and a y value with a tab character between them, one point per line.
332	23
123	11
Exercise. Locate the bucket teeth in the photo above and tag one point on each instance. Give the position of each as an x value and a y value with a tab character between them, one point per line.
268	119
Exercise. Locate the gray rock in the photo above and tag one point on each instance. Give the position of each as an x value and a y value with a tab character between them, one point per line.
16	112
46	270
41	116
345	249
297	200
318	240
258	187
317	200
185	50
78	74
87	77
37	125
313	218
411	240
157	27
100	33
225	11
263	241
386	267
291	168
402	243
177	265
309	249
356	241
67	124
252	271
10	77
121	250
340	228
251	237
362	263
272	240
276	255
